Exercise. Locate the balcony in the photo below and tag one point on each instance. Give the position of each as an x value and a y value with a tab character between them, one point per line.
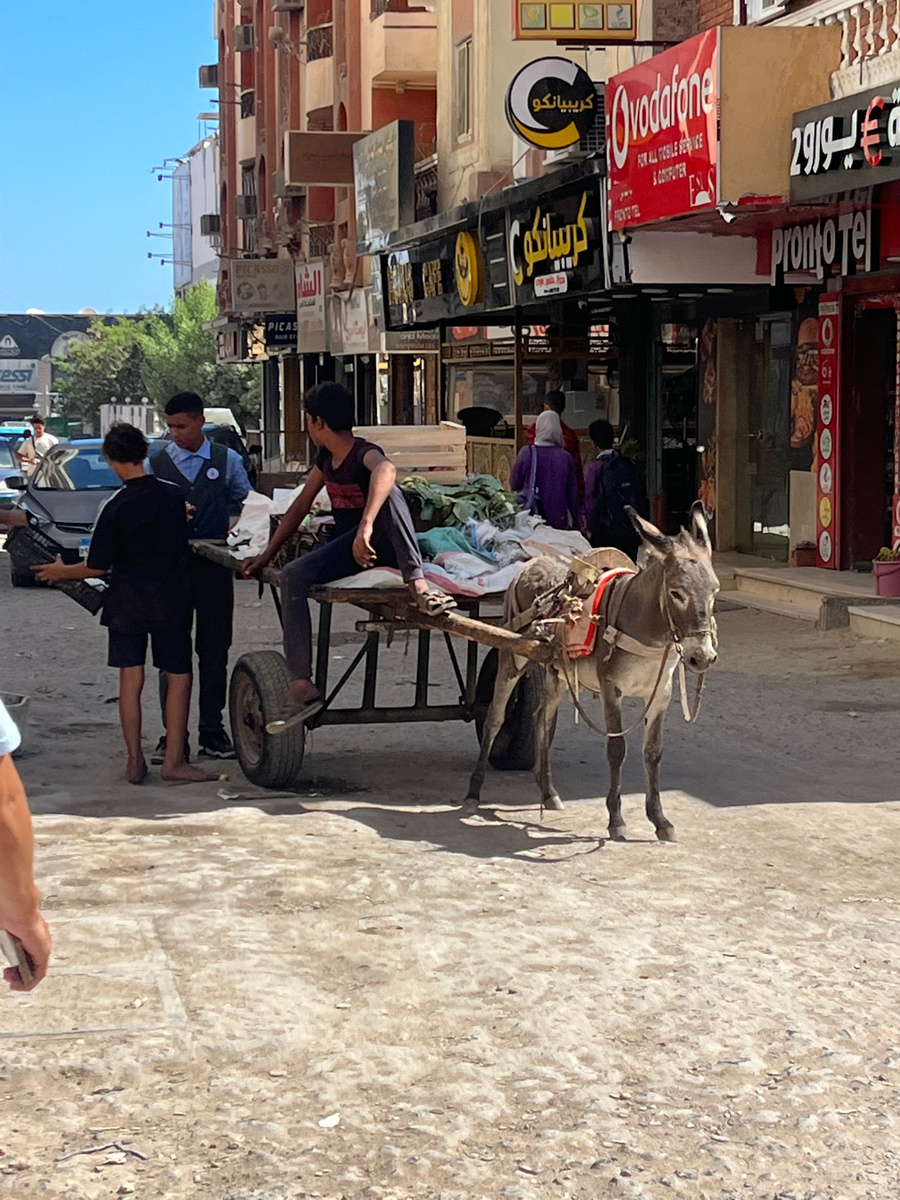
245	136
870	40
320	68
399	46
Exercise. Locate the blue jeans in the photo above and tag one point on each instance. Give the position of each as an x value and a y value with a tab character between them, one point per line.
395	545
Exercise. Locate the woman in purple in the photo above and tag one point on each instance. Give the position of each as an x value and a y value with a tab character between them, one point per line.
543	476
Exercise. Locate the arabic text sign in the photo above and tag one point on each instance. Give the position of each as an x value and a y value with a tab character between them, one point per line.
556	246
850	143
662	141
385	184
551	103
262	285
19	375
312	336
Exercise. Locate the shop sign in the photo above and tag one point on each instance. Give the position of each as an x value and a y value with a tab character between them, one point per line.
552	103
262	285
662	140
557	246
849	143
9	347
467	263
281	331
231	343
840	245
20	375
602	23
384	184
827	460
312	329
355	324
412	341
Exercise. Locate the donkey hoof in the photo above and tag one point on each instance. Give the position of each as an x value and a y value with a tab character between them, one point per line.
617	833
553	802
470	804
666	832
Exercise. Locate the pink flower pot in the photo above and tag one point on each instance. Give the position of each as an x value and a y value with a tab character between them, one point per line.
887	578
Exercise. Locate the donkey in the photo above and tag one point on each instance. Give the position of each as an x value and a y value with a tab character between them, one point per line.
648	621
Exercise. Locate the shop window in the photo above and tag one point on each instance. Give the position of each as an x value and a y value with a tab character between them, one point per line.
462	97
763	10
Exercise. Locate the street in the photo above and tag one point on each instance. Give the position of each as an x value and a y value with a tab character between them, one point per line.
352	992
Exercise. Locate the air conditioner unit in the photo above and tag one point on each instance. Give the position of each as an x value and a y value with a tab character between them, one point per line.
245	207
209	76
288	5
286	191
210	225
592	145
244	38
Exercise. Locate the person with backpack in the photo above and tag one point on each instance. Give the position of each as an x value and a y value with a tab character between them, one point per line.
543	476
611	484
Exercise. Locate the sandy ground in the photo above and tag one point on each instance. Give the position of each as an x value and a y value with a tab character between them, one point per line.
353	992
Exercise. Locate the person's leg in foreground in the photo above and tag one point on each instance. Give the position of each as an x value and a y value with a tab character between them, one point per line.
131	685
19	900
178	702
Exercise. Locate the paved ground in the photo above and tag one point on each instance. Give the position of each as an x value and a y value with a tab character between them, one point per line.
351	992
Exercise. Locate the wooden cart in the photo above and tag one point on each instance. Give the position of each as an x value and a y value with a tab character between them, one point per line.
260	680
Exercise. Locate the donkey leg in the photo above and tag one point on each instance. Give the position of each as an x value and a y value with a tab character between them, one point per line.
508	675
544	719
653	733
615	756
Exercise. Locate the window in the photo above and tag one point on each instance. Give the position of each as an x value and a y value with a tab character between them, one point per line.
462	98
762	10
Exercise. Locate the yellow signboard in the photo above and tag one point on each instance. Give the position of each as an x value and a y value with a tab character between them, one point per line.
599	23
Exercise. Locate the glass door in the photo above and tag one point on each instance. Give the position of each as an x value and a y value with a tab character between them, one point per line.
770	438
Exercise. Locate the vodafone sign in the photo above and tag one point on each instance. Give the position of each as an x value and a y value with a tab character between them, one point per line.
662	137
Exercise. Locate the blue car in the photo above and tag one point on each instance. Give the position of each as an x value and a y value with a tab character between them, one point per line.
9	468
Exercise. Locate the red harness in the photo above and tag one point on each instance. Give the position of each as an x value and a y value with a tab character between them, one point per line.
583	632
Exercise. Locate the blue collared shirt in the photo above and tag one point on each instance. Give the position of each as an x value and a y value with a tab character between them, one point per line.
191	462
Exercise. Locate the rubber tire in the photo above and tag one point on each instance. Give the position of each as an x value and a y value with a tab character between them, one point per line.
256	695
21	579
514	747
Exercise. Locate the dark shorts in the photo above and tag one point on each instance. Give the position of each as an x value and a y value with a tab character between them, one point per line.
171	650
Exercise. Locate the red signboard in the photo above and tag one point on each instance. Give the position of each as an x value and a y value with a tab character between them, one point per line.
828	443
662	137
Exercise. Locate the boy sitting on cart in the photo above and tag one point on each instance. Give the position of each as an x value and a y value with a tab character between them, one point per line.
372	525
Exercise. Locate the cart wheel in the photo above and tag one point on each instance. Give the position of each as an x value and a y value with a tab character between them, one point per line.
259	685
513	748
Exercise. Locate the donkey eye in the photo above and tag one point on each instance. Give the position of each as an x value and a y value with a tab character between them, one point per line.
678	596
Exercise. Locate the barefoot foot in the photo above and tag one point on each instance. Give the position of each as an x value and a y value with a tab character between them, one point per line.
136	771
186	774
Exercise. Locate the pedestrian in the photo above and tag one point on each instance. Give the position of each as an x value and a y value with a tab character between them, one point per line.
140	542
543	476
20	913
612	483
555	401
372	525
213	483
33	448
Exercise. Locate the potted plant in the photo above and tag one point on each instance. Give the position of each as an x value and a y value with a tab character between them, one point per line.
886	569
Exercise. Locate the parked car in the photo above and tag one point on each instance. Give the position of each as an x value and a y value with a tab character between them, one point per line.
61	502
9	469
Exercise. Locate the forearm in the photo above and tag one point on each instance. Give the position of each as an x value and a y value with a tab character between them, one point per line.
381	485
19	897
78	571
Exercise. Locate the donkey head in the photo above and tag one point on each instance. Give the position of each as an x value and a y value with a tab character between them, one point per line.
689	585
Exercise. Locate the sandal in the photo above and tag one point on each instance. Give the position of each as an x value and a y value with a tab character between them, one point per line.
295	712
433	604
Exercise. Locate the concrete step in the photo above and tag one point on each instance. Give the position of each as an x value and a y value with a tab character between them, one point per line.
881	621
804	587
779	608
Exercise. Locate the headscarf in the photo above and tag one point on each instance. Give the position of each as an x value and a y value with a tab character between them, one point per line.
548	430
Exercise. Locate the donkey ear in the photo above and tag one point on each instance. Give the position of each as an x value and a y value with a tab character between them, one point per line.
655	541
699	528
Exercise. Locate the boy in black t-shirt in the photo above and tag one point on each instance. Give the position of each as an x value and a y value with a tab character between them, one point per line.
372	524
140	543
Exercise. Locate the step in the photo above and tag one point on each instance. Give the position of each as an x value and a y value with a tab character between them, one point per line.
808	588
779	608
876	621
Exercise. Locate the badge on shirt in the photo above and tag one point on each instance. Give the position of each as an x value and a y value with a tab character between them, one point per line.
212	473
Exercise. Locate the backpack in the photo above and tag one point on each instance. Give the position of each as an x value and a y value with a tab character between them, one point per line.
619	489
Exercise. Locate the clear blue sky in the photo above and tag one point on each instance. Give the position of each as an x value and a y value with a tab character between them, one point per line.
94	94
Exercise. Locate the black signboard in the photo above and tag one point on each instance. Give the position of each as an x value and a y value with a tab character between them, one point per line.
281	331
458	274
384	181
555	245
846	144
